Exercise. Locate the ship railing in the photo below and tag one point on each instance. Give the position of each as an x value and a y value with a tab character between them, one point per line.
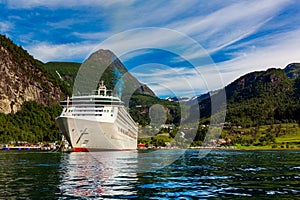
109	94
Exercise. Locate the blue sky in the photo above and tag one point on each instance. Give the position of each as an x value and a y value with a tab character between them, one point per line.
238	36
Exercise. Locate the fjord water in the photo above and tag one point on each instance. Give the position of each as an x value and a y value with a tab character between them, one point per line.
136	175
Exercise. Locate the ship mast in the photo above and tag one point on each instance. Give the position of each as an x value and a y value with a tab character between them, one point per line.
102	89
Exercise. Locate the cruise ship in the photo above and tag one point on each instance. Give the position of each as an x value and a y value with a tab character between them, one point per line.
97	122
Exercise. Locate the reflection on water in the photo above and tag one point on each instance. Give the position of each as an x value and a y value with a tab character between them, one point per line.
144	175
105	174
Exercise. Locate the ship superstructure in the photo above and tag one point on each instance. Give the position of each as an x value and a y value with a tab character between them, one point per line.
98	121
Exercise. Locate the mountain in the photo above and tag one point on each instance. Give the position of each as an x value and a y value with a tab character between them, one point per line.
194	100
262	97
29	97
273	82
65	71
103	65
31	90
25	79
292	70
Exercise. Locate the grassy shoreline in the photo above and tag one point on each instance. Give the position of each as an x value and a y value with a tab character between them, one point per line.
264	148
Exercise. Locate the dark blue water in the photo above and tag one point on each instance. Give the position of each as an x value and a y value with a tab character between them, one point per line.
148	175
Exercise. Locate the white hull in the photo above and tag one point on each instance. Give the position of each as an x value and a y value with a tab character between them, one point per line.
91	135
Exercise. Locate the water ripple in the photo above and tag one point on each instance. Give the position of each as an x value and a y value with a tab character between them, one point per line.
127	175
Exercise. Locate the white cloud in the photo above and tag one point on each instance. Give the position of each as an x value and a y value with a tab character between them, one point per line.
51	52
25	4
120	44
281	50
99	36
159	13
216	29
164	80
66	23
5	26
183	81
136	39
229	24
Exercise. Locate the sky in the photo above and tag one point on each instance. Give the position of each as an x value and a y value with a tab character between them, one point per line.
178	48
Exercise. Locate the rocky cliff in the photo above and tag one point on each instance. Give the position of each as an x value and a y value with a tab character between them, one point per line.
23	79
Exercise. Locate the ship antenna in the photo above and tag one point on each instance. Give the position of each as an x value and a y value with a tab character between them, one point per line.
102	89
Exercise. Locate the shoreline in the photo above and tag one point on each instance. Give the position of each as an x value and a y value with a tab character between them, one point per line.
226	149
231	148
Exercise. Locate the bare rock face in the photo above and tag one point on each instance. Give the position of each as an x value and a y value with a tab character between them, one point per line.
21	81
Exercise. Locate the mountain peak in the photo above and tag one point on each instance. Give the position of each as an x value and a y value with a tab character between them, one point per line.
292	70
103	54
104	65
